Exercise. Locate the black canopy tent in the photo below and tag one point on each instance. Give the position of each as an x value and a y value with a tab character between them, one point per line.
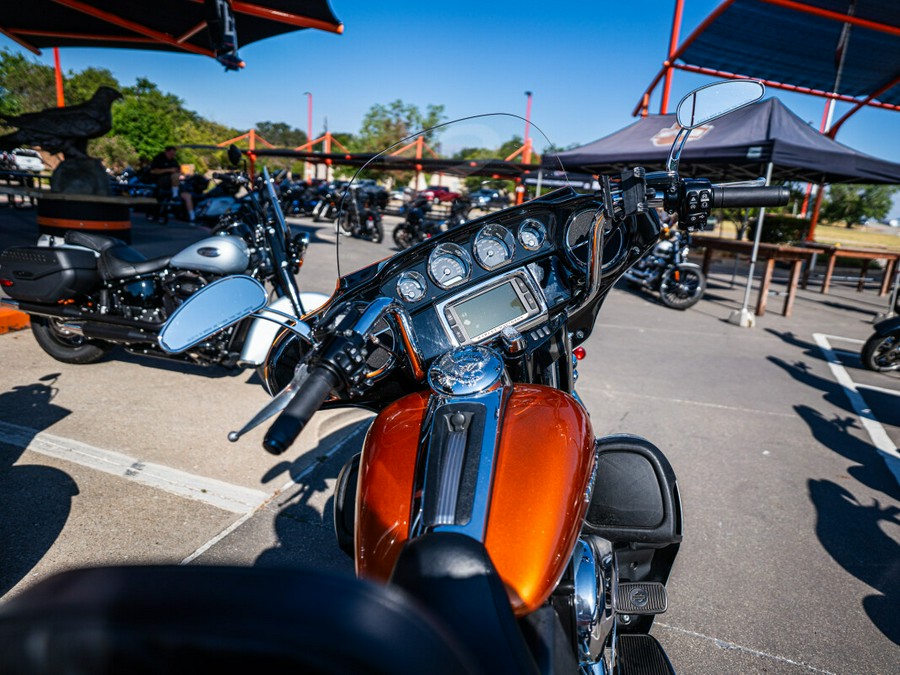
735	147
208	27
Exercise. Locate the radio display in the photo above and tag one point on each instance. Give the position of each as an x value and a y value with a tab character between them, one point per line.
488	311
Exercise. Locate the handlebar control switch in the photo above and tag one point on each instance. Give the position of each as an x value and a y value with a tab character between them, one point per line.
696	203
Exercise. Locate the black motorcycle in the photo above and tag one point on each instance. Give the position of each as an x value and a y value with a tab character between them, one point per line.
417	226
881	352
665	269
360	216
87	293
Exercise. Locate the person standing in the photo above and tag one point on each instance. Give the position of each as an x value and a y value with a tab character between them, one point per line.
167	171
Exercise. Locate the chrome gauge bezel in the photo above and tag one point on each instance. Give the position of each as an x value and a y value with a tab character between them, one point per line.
493	235
415	277
452	251
538	228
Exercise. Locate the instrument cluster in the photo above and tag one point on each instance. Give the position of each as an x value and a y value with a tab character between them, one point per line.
450	265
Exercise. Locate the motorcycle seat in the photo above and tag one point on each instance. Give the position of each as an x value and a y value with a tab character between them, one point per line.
121	262
95	242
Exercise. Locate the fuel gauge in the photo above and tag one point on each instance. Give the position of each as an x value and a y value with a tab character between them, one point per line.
411	286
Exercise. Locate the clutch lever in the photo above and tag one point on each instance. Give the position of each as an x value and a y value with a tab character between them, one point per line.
275	406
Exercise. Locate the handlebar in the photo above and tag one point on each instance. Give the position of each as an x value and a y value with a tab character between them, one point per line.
725	197
319	384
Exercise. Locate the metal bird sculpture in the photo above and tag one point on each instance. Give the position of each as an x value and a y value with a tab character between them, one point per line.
66	130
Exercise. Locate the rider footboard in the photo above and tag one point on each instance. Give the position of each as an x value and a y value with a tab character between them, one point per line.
639	654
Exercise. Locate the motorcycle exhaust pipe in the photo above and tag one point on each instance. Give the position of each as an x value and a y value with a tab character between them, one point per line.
113	333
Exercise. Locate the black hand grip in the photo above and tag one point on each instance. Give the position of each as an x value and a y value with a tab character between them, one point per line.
315	389
725	197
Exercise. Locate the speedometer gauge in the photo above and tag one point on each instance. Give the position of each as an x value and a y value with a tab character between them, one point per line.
532	234
449	265
494	246
411	286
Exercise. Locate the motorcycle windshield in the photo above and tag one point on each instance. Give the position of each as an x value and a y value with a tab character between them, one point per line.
427	182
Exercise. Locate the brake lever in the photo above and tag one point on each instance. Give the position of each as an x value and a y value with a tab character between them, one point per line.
756	182
275	406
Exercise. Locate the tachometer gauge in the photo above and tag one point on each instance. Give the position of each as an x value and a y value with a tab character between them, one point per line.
532	234
494	246
411	286
449	265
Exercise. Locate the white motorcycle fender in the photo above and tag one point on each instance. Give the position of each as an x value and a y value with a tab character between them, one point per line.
262	332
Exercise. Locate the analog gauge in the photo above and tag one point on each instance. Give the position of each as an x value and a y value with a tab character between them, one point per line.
449	265
532	234
494	246
411	286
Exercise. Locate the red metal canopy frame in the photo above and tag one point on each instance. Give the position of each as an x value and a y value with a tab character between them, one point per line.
676	51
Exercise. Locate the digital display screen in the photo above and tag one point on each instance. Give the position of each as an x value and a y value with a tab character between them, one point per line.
487	311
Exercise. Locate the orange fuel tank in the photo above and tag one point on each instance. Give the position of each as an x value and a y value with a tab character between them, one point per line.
542	469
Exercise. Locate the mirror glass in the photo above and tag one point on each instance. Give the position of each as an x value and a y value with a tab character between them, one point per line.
234	154
211	309
714	100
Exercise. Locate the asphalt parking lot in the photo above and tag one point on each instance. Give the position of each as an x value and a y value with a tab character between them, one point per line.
785	450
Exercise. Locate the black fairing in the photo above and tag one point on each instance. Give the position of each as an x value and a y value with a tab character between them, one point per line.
888	326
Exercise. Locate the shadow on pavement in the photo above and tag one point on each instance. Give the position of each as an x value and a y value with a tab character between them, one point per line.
306	536
35	500
802	372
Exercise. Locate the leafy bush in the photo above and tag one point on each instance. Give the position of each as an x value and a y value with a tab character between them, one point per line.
779	229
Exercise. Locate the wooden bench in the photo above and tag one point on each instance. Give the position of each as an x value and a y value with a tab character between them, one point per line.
832	252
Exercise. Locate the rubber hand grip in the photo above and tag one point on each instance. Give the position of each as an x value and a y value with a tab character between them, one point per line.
726	197
284	431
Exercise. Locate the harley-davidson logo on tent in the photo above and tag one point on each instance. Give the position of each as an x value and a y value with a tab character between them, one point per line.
666	135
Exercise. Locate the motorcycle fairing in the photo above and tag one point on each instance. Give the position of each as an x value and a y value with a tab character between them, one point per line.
262	332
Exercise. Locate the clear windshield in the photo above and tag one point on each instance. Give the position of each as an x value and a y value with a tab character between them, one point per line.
435	180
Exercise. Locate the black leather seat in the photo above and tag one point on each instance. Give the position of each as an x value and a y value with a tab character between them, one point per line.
117	259
121	262
191	619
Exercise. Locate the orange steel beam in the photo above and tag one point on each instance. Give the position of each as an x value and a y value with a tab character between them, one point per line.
84	36
19	41
788	4
787	87
283	17
57	71
192	32
133	26
835	16
673	47
866	101
693	36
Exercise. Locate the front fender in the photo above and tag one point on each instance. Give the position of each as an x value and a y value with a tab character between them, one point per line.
262	332
888	326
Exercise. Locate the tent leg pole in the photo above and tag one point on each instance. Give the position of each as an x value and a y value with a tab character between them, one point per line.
743	317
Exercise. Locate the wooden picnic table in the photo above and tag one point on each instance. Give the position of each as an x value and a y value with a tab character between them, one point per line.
832	252
795	255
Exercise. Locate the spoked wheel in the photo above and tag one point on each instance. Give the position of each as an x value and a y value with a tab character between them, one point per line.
682	287
882	353
345	222
65	345
402	237
376	231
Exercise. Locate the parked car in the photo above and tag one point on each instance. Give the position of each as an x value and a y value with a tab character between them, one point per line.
488	197
438	193
27	160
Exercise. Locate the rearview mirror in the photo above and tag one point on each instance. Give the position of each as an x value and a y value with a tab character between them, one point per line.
211	309
714	100
234	154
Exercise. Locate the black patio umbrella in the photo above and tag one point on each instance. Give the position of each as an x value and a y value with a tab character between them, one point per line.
207	27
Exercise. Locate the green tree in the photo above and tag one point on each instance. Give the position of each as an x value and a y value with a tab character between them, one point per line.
384	125
281	135
79	87
851	203
25	84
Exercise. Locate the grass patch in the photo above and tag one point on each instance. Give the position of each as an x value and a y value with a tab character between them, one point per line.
858	237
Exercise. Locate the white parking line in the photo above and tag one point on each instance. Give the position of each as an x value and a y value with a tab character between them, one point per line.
873	427
225	496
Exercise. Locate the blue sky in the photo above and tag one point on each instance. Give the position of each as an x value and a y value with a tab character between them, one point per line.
587	64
